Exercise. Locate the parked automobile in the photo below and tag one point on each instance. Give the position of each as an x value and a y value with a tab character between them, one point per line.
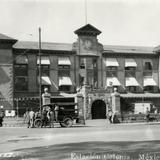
67	113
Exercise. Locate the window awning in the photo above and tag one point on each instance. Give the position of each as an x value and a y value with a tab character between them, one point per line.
140	95
131	81
113	80
64	61
130	63
149	81
44	60
111	62
65	81
45	80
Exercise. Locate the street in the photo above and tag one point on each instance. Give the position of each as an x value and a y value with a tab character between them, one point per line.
106	141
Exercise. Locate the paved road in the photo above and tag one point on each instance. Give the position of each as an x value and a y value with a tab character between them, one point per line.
101	141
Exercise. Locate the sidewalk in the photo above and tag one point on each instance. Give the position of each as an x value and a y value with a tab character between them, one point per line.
104	122
13	122
19	122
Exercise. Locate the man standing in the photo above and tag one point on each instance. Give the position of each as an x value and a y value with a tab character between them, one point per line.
31	117
56	110
1	116
110	116
27	118
147	115
44	117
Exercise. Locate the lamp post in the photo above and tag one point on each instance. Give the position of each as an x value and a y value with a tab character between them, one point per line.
40	80
85	91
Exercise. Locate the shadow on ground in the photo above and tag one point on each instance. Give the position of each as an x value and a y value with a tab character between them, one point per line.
93	151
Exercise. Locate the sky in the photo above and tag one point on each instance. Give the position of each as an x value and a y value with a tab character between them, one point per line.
122	22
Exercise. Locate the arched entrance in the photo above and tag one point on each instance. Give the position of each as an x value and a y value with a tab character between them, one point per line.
98	109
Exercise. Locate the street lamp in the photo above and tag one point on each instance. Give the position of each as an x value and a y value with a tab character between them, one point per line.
85	91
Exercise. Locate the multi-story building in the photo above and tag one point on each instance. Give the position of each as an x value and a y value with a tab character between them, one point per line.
134	71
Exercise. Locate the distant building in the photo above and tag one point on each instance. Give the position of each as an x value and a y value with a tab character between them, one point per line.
133	70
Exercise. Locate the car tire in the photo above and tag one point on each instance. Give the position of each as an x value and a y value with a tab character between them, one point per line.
67	122
38	123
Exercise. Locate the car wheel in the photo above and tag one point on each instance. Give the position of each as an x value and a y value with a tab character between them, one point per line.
68	122
38	123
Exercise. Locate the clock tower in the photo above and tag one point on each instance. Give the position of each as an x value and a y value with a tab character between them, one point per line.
87	40
89	56
88	63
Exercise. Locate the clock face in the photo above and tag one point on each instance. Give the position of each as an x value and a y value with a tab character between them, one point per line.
88	44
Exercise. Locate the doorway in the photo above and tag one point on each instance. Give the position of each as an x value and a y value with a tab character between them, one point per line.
98	109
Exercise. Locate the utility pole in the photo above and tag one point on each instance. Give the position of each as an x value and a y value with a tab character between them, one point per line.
40	80
86	11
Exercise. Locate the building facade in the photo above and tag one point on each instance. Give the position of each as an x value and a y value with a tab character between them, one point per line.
67	68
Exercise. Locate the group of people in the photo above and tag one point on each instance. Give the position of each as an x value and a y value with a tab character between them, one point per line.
47	116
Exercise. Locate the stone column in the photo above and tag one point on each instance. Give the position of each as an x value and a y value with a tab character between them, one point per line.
115	96
46	97
80	101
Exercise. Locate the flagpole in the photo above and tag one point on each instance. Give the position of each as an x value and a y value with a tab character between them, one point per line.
40	80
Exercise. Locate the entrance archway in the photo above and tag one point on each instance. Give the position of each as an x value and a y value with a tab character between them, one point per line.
98	109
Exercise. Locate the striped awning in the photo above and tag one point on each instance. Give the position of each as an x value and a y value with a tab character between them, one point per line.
45	80
44	60
149	81
140	95
64	61
131	81
112	80
111	62
130	62
65	81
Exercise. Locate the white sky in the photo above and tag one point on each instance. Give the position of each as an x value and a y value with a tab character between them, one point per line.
122	22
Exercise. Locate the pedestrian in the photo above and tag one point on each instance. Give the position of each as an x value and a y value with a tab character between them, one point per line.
56	110
110	116
27	118
1	116
51	118
147	115
44	117
31	118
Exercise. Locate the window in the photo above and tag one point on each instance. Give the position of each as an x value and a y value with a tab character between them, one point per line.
64	76
82	63
45	70
21	70
64	71
147	66
147	69
21	83
130	71
111	71
131	89
149	88
64	88
21	73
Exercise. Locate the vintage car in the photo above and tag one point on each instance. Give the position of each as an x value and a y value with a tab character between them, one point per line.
67	113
